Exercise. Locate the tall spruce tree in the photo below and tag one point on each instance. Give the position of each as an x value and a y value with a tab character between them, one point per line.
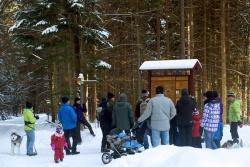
58	34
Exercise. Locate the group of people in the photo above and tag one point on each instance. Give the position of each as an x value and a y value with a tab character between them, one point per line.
181	124
166	123
70	117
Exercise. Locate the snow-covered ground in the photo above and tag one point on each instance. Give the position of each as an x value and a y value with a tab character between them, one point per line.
90	155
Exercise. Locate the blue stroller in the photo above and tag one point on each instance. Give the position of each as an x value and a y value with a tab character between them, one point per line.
122	143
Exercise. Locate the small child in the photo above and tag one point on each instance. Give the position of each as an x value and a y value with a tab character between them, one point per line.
196	141
58	143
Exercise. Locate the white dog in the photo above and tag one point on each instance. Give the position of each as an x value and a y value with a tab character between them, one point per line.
16	141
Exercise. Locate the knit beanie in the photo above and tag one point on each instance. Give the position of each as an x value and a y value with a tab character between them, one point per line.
28	105
231	94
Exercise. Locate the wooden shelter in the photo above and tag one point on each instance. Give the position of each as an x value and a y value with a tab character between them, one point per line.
173	75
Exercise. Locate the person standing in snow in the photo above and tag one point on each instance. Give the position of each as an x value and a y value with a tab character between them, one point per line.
122	115
210	120
234	116
81	119
219	133
106	120
185	107
68	119
58	143
160	110
29	127
140	108
196	136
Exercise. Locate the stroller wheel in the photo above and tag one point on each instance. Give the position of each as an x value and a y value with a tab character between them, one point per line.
106	158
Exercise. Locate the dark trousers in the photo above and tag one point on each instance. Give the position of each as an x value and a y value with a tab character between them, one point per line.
105	132
86	123
196	142
174	137
78	131
185	135
71	133
234	130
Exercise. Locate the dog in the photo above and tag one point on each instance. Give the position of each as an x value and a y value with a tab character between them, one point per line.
231	144
16	141
228	144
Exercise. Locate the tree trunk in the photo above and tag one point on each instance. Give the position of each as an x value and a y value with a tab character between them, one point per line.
223	60
182	29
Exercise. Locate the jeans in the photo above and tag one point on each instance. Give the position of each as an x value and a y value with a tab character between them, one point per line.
30	141
159	137
145	138
209	140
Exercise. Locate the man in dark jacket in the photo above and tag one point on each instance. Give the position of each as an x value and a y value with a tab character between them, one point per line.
106	120
185	106
80	110
122	116
68	119
139	110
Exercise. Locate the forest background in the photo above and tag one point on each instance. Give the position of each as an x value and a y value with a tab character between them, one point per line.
45	44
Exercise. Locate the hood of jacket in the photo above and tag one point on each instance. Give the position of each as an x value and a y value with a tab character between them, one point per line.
122	98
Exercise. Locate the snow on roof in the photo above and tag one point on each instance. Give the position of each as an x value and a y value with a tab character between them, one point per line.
170	64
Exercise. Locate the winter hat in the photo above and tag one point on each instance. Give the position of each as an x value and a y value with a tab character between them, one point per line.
28	105
110	95
230	94
59	129
65	99
144	93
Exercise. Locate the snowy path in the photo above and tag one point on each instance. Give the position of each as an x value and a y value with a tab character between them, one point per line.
90	156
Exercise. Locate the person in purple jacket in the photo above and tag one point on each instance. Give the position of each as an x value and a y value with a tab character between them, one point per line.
210	120
81	119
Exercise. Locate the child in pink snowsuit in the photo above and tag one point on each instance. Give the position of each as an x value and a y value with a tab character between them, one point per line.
58	143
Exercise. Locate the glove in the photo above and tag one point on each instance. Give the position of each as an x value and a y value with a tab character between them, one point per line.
53	147
37	116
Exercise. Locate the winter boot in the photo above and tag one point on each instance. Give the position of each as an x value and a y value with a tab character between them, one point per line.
56	161
74	152
61	159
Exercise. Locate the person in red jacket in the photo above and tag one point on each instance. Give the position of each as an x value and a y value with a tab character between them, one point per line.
58	143
196	137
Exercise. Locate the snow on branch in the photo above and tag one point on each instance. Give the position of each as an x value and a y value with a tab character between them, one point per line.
49	30
42	22
101	63
16	25
77	5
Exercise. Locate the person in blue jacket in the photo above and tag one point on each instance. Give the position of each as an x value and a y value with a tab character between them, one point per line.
68	119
